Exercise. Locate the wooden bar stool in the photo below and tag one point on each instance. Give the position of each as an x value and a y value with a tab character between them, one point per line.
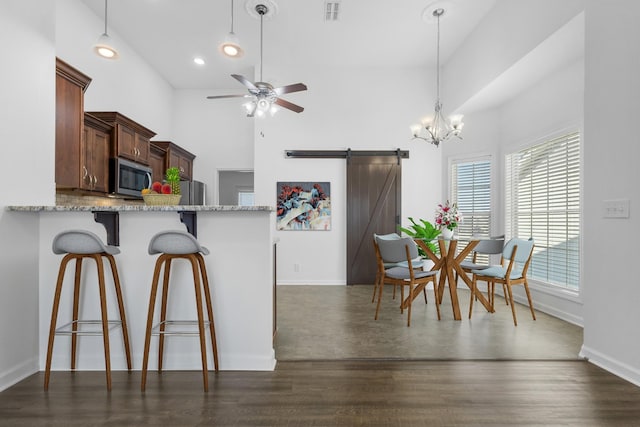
78	245
179	245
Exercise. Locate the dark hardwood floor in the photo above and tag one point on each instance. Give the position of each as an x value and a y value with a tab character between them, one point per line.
336	393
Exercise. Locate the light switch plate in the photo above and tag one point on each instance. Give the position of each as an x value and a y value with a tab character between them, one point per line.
615	208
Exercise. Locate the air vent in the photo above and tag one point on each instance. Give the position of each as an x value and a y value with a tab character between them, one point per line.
331	10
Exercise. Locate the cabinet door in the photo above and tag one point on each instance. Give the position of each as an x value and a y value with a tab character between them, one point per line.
126	142
100	161
86	178
142	149
185	168
156	161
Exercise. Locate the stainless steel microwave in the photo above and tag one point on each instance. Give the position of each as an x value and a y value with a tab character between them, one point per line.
128	178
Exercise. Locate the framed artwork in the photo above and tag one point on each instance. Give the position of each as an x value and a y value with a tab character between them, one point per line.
303	206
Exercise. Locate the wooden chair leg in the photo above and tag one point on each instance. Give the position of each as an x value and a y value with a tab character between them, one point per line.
54	318
526	289
123	317
410	304
74	316
105	322
201	333
147	338
473	292
513	307
207	295
379	300
163	309
435	294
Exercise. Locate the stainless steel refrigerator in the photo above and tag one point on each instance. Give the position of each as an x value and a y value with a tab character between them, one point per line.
192	193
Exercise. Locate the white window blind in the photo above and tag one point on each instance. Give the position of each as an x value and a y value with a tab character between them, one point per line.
543	201
471	191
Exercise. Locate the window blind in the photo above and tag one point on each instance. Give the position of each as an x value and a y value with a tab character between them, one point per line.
543	201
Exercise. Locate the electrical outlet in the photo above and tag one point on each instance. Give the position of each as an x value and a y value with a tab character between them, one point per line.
296	268
615	208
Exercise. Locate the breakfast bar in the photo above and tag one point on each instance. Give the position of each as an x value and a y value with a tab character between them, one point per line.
240	267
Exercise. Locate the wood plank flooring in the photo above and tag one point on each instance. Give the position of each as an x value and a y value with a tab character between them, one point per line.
336	393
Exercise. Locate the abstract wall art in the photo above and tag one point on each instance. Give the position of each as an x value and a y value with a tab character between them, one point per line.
303	206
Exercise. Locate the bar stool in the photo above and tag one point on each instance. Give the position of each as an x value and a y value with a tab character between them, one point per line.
179	245
78	245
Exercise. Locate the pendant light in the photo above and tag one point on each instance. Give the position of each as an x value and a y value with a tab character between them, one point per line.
437	128
104	46
231	46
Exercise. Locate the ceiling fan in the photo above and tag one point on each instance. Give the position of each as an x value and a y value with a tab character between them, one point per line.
263	95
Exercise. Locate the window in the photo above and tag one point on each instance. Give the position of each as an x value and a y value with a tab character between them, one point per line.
543	201
471	190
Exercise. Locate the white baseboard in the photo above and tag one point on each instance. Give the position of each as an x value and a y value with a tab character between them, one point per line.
616	367
18	373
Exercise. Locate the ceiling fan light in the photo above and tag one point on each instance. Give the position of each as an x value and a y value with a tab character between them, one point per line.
263	104
231	46
104	47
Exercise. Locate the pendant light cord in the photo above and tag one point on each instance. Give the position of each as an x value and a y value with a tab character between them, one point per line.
438	62
105	16
231	16
261	18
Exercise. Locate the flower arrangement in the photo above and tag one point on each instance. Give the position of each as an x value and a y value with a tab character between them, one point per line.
448	216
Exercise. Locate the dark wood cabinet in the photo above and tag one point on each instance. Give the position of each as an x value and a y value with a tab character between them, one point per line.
130	139
178	157
70	87
156	162
95	155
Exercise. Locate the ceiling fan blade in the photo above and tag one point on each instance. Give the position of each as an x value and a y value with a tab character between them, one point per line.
297	87
244	81
288	105
225	96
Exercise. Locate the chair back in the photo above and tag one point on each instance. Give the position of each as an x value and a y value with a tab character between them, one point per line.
493	245
394	250
522	253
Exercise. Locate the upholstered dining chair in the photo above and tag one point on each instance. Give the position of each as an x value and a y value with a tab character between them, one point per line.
517	253
417	263
416	280
491	246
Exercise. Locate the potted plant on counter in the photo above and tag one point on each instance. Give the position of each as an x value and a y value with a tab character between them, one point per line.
172	176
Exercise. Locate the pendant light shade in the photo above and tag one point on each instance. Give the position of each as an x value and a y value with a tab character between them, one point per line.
231	45
104	46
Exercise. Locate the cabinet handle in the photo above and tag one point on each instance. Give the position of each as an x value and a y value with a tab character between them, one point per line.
95	181
181	169
86	172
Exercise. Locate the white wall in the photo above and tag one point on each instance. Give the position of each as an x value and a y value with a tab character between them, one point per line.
361	109
611	153
27	132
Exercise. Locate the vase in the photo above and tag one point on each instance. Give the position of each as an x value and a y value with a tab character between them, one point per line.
446	233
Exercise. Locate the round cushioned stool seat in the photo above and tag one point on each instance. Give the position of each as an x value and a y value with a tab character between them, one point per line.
81	242
175	243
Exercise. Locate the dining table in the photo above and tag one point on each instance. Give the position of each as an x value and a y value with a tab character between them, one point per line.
448	263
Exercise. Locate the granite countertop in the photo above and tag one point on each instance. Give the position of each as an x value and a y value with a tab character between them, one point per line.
141	208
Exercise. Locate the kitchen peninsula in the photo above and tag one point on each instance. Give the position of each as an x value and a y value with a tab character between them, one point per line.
240	268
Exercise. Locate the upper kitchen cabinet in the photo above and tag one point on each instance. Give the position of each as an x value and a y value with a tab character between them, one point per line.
70	87
178	157
156	162
95	154
130	139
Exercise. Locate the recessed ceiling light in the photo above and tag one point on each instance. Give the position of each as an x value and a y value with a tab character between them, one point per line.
198	60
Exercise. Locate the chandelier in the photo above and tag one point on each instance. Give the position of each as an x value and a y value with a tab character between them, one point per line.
436	129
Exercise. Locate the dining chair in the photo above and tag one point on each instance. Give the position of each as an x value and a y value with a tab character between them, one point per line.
491	246
517	252
417	263
416	280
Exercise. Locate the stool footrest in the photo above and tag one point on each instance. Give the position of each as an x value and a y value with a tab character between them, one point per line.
180	324
96	327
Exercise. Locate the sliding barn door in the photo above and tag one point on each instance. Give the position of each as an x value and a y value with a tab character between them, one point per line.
373	206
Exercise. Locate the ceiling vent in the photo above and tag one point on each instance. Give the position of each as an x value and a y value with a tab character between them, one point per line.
331	10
